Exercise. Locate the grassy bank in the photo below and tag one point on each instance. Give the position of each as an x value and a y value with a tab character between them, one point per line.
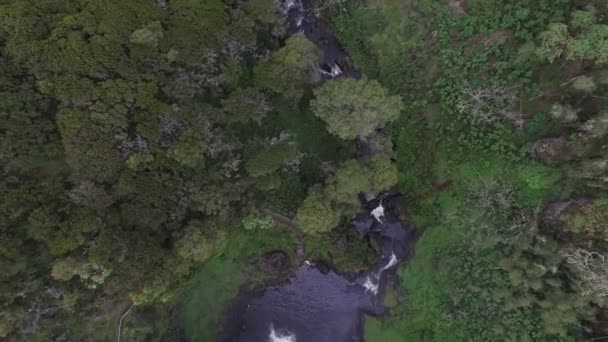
220	279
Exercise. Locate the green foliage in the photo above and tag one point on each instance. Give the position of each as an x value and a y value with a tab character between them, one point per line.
92	195
204	301
324	206
265	11
463	140
125	143
350	179
257	222
92	275
245	105
376	331
584	84
64	269
88	147
148	36
582	39
9	320
565	114
145	324
591	221
289	67
195	246
384	173
189	149
474	297
316	214
270	159
355	108
582	19
537	177
554	42
135	134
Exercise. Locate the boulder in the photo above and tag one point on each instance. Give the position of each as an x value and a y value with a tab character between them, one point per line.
578	219
550	151
273	262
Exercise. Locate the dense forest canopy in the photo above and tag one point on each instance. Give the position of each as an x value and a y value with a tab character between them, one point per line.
148	145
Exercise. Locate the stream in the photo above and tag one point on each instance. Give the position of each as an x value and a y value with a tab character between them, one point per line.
318	304
300	17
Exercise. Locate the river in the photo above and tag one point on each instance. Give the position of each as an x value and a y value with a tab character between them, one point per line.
317	304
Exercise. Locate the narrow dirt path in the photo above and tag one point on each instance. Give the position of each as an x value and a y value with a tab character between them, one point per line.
122	317
298	234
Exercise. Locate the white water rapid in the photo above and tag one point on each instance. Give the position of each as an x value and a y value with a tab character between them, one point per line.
378	213
370	286
281	335
392	262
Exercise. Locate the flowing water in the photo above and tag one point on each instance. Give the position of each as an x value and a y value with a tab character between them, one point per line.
317	304
301	17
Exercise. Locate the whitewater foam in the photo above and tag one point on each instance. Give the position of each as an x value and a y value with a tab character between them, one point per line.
282	335
378	213
392	262
370	286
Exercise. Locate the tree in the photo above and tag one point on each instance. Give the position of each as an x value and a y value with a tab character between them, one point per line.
64	269
92	275
384	173
199	242
257	221
590	221
90	149
582	39
149	35
118	119
270	160
554	41
316	214
245	105
289	68
355	108
92	195
264	11
350	180
10	317
189	148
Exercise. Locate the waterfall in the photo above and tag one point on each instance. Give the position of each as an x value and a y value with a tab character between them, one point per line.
370	286
336	70
378	213
286	5
392	262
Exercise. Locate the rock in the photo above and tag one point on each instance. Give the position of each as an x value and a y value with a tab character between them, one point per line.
323	266
557	215
340	242
550	151
273	262
457	7
377	143
363	224
553	211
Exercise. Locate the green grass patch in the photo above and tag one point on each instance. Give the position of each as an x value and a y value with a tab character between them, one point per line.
376	331
219	280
